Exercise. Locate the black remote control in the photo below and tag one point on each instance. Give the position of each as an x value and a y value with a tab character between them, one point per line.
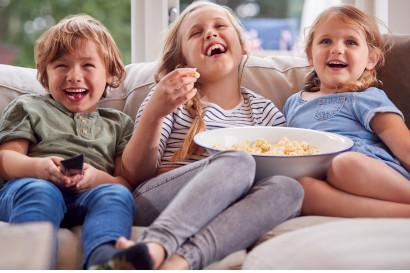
73	165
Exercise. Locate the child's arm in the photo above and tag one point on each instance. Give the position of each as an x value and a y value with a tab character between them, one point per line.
93	177
139	157
141	153
14	163
391	128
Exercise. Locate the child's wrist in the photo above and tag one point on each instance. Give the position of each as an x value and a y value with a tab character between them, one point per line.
151	117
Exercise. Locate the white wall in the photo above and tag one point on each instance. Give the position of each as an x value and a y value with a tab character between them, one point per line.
399	16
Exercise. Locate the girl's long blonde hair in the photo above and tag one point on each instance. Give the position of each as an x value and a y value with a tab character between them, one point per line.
374	40
172	57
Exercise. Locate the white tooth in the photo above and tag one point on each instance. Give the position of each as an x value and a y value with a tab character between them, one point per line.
77	90
336	62
215	46
218	46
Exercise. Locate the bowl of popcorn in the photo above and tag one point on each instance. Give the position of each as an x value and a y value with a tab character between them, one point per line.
286	151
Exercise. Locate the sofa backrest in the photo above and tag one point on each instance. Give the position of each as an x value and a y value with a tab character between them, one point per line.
395	74
274	77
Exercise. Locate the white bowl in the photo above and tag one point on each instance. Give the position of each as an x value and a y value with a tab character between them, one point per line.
328	144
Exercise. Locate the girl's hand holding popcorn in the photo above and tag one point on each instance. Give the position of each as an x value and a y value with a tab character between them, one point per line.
176	88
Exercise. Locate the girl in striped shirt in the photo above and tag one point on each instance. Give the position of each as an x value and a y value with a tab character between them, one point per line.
200	208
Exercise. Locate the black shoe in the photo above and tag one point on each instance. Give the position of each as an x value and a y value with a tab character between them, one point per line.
134	257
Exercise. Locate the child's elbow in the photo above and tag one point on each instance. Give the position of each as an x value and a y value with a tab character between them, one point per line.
406	161
404	156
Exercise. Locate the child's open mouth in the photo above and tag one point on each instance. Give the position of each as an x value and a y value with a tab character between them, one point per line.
215	50
336	64
75	94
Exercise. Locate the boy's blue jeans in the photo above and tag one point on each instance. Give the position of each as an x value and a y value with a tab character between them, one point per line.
106	211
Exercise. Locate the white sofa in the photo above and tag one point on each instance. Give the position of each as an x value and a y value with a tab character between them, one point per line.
310	242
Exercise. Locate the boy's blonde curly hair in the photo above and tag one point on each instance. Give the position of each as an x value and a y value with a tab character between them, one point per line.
62	38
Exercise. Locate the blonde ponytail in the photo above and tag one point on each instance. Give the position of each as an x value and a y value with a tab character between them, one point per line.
188	148
312	82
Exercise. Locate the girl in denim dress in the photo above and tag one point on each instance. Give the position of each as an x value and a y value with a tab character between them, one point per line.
345	48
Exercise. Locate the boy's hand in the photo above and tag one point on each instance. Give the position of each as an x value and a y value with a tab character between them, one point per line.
87	180
48	168
176	88
70	182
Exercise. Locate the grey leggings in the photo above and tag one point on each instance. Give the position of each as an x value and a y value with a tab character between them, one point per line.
208	209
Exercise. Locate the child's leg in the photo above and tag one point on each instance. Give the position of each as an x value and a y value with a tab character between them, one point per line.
212	187
361	175
266	204
189	197
29	199
109	213
154	196
324	199
270	202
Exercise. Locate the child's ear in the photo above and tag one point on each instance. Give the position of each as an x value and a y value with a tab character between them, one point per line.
245	47
373	59
110	79
310	60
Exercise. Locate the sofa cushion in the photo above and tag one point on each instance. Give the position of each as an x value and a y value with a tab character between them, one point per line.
138	82
275	77
295	224
26	246
16	81
345	244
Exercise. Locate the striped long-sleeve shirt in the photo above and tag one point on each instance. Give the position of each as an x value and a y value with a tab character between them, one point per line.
253	110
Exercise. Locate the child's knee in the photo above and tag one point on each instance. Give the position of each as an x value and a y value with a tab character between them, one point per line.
40	197
236	169
240	160
290	187
309	184
342	164
41	189
114	193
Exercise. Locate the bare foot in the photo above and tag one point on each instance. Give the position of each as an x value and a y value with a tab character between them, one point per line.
157	253
175	262
123	242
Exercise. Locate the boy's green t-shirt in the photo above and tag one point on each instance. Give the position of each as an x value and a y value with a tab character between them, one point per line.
54	131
